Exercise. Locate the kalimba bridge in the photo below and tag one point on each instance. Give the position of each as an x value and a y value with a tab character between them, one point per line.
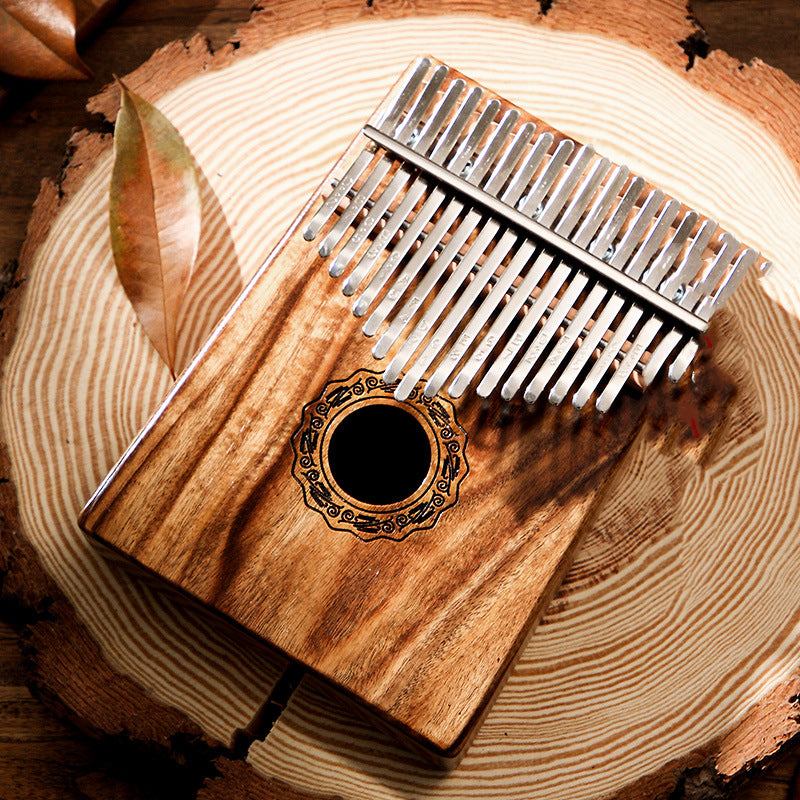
487	256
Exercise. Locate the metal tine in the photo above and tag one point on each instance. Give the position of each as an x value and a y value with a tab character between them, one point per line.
732	280
424	215
442	149
532	201
543	183
365	156
544	336
566	186
662	264
608	355
634	234
682	361
482	277
684	358
691	263
586	348
712	273
389	120
601	206
564	343
523	330
568	299
657	358
379	170
338	194
636	266
628	364
666	258
598	293
465	267
504	318
602	244
596	296
610	352
421	143
457	239
669	288
454	207
578	205
484	238
648	247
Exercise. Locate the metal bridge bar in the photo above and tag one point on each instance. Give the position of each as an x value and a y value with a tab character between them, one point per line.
577	255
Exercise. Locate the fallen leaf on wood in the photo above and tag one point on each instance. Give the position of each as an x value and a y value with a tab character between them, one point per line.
37	40
155	215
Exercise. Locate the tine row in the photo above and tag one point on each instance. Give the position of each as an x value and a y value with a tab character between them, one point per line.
461	293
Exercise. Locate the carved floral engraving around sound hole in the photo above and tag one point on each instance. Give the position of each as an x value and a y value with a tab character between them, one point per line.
438	489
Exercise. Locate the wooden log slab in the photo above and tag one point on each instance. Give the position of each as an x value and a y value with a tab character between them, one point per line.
231	493
673	641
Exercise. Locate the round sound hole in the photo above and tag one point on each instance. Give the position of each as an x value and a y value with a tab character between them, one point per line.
379	454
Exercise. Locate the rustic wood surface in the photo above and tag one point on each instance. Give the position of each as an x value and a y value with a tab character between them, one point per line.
32	152
471	583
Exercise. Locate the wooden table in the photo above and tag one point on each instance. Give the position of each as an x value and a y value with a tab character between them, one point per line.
40	755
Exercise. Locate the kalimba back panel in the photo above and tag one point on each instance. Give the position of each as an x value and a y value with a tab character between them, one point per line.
399	530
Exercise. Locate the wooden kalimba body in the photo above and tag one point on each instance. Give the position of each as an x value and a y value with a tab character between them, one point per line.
399	532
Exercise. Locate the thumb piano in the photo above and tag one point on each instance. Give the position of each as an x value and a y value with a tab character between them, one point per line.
382	459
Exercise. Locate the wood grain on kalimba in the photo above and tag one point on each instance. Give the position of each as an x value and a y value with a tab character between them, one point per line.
513	255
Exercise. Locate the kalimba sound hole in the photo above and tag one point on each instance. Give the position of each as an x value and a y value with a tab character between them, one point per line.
379	454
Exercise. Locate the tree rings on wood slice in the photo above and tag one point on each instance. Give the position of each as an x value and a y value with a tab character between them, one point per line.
679	617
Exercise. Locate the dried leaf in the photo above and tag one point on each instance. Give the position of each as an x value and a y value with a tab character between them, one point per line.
37	40
155	214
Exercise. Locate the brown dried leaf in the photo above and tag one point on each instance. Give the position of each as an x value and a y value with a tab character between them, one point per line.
37	40
155	215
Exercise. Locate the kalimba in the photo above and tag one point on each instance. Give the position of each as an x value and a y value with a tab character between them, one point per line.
398	531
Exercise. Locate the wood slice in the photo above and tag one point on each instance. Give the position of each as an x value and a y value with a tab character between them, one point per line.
673	642
232	494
